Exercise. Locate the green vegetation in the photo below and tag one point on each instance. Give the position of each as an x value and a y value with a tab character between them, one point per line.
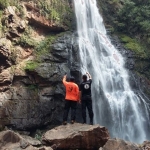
134	45
55	10
3	4
1	14
135	16
33	87
38	135
26	40
42	48
133	19
1	27
44	45
31	65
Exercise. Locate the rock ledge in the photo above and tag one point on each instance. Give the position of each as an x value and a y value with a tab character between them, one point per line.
76	136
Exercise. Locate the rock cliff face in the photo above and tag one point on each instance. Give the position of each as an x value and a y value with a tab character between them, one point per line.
34	97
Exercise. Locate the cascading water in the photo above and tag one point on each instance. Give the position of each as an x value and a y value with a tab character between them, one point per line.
115	105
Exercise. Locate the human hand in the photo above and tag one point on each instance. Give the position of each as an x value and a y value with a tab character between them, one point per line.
89	75
65	76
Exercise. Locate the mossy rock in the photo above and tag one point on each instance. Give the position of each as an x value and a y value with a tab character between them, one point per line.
31	65
134	45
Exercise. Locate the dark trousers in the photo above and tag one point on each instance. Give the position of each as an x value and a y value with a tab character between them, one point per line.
86	102
70	104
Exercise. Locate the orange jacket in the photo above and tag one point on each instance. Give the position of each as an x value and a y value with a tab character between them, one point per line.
72	90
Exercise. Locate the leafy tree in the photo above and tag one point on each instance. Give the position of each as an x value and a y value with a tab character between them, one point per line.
134	19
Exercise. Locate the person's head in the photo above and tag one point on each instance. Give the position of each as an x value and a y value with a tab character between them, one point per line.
72	79
84	77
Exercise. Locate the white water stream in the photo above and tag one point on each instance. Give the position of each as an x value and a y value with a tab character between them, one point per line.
115	105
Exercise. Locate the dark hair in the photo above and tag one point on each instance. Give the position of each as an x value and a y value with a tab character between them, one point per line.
84	77
72	79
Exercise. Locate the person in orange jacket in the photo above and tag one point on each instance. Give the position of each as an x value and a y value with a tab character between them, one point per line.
72	97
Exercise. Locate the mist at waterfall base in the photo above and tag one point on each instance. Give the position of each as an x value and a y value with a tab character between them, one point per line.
115	105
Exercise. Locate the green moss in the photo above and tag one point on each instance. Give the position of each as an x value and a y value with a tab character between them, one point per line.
33	87
1	14
26	40
55	10
134	45
44	46
114	2
31	65
38	135
1	27
3	4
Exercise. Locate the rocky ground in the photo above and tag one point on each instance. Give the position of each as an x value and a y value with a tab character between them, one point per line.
68	137
71	136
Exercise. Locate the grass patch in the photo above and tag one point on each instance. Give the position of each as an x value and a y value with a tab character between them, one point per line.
3	4
41	48
134	45
54	10
44	47
26	40
31	65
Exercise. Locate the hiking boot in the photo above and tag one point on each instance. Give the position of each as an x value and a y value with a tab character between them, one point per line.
84	122
64	123
72	121
91	123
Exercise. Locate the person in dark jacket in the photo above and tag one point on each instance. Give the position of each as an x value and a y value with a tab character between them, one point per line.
85	96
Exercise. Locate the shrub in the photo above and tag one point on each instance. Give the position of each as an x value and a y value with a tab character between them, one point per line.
134	45
44	46
26	41
3	4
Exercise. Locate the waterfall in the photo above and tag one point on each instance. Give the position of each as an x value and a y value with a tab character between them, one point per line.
116	106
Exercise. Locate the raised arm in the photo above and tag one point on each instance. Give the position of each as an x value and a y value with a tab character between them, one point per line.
64	79
89	75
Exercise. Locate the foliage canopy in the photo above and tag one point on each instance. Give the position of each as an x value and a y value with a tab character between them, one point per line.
134	18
